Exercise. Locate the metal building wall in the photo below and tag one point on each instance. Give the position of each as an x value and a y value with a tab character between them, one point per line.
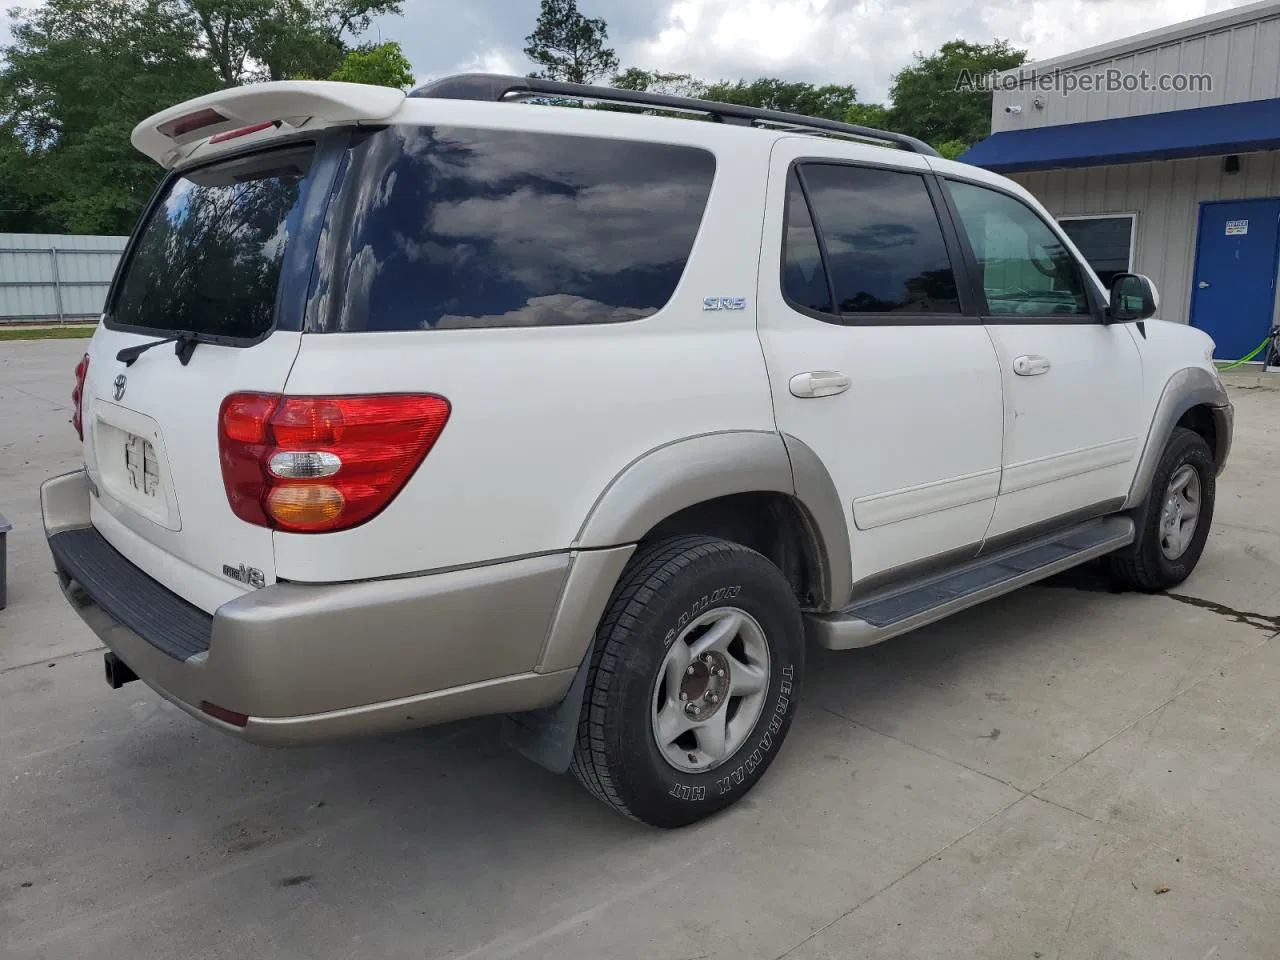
1239	50
51	277
1166	196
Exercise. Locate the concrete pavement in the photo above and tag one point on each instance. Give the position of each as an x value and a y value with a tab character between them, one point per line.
1016	782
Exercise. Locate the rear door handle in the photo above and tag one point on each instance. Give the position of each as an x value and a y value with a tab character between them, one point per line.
818	383
1031	366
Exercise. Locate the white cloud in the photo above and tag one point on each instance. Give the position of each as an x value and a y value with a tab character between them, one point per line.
863	42
493	60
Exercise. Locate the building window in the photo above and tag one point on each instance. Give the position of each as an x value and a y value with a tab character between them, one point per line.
1105	241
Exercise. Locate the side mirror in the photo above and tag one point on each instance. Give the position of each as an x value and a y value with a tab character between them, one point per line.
1133	299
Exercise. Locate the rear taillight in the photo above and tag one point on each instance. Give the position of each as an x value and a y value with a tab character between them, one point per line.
318	464
77	396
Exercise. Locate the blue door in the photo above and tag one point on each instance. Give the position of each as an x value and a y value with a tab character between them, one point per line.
1233	291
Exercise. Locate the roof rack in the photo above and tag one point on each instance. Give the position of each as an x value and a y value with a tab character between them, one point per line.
497	88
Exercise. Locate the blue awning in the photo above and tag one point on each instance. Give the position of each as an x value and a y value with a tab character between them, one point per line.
1200	132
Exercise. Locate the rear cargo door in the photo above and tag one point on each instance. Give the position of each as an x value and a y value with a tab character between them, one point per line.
224	254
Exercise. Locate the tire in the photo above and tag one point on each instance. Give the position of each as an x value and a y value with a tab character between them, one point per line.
674	593
1153	561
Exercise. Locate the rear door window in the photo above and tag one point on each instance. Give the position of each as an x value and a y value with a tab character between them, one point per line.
804	275
449	227
883	242
209	257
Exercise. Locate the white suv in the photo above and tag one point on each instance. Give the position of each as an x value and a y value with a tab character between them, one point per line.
588	417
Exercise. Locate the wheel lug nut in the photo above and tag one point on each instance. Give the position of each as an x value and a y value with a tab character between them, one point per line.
683	695
691	709
689	671
720	672
713	698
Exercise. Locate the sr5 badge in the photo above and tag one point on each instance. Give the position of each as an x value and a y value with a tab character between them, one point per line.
724	303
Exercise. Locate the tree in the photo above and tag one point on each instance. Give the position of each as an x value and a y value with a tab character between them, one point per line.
937	98
951	148
830	101
382	65
868	115
79	75
22	194
568	46
250	40
667	84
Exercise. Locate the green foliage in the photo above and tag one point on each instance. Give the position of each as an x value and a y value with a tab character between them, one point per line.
247	40
80	74
568	46
668	84
79	332
927	103
867	115
22	195
951	148
830	101
383	65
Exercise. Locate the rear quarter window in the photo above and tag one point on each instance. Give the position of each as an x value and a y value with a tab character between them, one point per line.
447	227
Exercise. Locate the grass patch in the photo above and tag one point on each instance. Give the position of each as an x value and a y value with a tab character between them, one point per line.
46	333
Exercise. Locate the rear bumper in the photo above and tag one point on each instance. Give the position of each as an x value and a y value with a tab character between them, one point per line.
312	663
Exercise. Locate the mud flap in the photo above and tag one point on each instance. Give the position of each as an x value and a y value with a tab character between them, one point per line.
547	736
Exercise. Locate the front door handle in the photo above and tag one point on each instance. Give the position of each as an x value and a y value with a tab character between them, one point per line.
818	383
1031	366
1203	285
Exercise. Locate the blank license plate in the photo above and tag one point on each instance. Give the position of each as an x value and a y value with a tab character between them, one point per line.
141	465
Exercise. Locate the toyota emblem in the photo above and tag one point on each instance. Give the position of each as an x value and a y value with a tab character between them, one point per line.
120	384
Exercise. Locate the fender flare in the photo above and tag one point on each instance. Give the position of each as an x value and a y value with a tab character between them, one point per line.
651	488
680	474
670	478
1188	388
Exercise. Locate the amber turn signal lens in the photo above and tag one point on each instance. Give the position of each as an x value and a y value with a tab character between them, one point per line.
304	505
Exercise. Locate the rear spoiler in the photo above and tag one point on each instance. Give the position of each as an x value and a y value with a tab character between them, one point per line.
175	134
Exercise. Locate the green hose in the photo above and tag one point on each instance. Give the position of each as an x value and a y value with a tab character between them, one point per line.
1262	346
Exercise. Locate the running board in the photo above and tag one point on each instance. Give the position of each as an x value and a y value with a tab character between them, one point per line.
900	609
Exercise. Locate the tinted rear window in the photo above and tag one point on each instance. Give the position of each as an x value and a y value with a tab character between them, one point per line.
209	257
804	276
884	243
450	227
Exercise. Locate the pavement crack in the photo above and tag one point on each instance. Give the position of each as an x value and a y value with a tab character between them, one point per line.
925	750
893	883
1259	621
50	661
1075	904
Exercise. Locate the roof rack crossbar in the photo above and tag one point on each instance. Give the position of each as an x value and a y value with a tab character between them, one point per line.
497	87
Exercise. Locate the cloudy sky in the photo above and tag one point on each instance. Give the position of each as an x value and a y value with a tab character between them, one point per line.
862	42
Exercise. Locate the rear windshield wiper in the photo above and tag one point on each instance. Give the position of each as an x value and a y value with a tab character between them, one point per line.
185	345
